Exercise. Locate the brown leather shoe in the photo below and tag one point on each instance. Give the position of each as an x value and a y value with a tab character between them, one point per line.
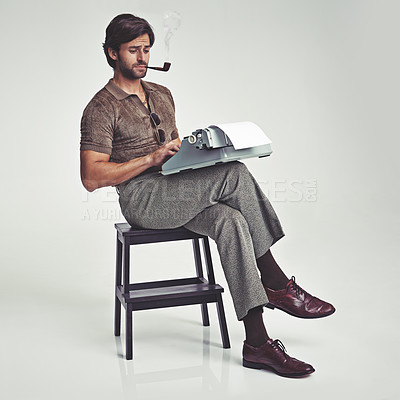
297	302
273	357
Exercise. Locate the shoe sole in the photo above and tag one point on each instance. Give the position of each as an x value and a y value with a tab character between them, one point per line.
249	364
271	307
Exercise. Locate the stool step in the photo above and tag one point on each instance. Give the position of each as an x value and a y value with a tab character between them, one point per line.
166	283
169	293
177	288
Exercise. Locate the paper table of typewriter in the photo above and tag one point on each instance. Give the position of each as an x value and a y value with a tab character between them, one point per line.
217	144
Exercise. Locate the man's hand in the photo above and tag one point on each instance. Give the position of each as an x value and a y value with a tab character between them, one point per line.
164	153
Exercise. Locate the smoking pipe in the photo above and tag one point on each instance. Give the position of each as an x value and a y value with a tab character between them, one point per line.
165	68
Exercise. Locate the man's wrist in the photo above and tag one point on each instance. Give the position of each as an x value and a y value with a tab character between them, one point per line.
148	160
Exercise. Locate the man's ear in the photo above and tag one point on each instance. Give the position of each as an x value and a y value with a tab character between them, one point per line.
112	53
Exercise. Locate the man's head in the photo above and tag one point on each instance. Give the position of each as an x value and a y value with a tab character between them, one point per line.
122	29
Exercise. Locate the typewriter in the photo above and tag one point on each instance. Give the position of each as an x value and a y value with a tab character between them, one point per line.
219	144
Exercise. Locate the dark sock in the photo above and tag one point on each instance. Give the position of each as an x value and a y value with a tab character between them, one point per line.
271	275
256	334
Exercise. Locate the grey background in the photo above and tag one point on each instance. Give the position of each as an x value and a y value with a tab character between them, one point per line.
321	78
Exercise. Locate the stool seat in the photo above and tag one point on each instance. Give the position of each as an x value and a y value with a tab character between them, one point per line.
141	236
166	293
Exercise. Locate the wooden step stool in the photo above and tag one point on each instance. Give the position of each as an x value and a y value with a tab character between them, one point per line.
167	293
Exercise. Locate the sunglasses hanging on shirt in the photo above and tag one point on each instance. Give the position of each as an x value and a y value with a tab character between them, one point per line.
160	134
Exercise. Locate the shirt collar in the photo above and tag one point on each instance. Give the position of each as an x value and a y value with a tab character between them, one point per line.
119	94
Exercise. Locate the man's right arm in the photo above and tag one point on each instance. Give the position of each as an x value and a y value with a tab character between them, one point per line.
97	171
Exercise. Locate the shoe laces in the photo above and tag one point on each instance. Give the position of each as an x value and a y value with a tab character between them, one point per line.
278	345
299	291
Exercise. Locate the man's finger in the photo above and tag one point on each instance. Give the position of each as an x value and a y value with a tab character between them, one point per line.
173	145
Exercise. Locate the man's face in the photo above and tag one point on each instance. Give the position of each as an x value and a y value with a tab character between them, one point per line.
133	56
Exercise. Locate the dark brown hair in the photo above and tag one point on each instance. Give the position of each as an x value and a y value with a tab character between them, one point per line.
122	29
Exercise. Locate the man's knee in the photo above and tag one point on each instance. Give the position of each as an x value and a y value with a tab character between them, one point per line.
239	168
229	218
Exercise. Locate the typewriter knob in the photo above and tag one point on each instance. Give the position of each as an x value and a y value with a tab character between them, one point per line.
192	139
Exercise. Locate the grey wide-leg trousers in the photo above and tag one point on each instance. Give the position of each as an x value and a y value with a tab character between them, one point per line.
223	202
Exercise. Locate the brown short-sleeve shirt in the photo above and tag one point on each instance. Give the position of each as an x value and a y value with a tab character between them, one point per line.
117	123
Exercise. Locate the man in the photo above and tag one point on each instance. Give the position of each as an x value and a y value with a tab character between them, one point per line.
128	131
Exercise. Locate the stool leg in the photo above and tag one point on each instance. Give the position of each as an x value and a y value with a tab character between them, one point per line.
128	306
209	265
128	330
220	305
204	315
118	277
126	265
199	272
222	323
